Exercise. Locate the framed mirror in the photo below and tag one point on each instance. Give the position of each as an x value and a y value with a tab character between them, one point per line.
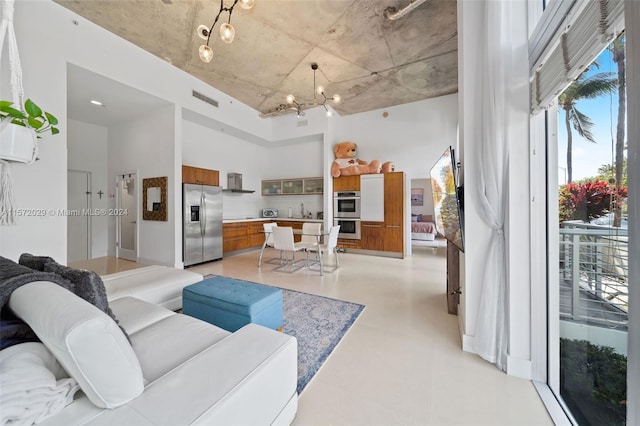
154	198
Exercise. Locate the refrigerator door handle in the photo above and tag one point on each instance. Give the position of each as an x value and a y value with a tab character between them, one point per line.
203	214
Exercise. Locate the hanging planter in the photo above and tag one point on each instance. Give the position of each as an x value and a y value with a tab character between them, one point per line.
20	131
18	144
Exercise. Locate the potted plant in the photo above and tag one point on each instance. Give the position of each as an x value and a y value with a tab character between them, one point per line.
20	130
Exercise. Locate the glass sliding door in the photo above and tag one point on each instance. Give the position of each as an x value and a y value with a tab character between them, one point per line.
589	319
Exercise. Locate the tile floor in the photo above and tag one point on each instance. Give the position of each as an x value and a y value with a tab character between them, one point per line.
401	362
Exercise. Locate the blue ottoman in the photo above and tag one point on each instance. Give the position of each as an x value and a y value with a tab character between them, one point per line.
231	304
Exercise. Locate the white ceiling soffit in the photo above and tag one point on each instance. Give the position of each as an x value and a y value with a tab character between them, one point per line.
371	61
121	103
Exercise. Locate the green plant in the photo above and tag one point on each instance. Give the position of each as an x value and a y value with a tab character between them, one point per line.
33	116
593	380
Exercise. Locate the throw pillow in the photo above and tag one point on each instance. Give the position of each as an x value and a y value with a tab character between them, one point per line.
87	343
35	262
86	284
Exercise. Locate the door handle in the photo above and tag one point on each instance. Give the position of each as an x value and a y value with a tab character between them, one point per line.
134	221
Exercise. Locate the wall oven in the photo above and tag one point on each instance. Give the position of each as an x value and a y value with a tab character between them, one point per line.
349	228
346	204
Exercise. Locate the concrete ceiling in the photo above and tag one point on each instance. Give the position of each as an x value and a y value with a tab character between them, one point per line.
371	61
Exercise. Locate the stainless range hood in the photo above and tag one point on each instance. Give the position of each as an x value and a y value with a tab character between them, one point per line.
234	183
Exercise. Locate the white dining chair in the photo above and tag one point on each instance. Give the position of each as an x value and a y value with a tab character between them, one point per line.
329	247
268	242
283	241
310	235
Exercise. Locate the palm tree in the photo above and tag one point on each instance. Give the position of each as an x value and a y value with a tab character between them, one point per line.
582	88
617	49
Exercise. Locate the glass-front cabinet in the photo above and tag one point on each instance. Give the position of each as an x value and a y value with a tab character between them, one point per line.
292	186
313	186
295	186
271	187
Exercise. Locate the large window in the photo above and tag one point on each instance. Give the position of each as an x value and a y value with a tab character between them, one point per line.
593	254
578	75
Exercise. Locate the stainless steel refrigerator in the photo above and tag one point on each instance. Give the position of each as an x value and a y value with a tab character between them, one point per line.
202	223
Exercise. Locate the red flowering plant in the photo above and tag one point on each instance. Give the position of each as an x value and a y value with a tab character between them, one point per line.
588	200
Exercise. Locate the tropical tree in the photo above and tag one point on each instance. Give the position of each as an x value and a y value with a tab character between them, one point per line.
607	173
584	87
617	49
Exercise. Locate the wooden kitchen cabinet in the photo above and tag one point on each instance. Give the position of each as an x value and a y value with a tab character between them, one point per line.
372	235
346	183
200	176
394	212
345	243
242	235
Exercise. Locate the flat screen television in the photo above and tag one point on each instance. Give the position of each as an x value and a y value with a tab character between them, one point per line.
447	198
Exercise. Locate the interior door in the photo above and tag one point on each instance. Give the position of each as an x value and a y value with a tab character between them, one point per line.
127	219
78	221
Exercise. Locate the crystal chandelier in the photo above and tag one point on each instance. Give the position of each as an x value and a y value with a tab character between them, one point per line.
227	32
318	91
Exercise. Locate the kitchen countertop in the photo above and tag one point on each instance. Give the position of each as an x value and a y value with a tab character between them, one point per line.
260	219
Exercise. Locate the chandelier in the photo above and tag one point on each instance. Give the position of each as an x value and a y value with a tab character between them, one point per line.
227	32
318	91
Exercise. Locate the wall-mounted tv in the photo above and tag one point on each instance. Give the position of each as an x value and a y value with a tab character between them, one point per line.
447	198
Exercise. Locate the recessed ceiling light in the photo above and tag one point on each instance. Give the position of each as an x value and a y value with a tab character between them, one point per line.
97	102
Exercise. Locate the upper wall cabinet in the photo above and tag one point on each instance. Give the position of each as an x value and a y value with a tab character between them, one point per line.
301	186
346	183
200	176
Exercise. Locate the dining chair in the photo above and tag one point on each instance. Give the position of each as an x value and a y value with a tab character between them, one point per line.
268	242
283	241
330	247
310	235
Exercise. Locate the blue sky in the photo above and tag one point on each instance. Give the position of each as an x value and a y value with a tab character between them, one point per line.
603	111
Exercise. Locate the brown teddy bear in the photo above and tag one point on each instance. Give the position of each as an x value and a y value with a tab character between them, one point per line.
346	163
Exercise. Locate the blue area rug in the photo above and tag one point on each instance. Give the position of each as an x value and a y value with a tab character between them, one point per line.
319	323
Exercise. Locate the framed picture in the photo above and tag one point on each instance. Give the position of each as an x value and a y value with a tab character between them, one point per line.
417	196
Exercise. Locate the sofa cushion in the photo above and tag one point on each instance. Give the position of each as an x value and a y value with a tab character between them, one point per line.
156	284
87	342
245	379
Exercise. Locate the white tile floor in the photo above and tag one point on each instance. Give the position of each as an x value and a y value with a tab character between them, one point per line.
401	362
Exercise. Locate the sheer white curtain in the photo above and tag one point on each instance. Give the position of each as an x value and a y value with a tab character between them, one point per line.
491	341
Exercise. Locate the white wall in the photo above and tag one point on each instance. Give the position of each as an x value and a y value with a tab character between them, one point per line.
87	151
146	145
427	207
413	135
211	149
44	62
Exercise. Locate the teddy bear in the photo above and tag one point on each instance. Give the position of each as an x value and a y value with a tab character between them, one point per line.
347	164
387	167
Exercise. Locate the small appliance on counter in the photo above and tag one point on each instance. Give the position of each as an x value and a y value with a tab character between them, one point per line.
269	212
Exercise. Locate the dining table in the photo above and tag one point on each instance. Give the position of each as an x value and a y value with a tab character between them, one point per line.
297	231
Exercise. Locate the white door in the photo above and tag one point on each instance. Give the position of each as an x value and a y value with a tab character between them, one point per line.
78	220
127	217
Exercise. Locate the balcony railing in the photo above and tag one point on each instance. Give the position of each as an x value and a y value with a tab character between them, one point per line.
594	286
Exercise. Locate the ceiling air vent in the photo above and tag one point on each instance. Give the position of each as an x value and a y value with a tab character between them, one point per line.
205	98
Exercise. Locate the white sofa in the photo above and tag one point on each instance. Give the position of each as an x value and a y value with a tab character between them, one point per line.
176	370
160	285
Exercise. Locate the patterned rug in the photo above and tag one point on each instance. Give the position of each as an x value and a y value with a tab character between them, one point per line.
319	323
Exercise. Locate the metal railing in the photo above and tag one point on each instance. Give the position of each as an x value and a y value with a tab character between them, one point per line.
594	286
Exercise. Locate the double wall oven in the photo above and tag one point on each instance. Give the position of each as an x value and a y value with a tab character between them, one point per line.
346	213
